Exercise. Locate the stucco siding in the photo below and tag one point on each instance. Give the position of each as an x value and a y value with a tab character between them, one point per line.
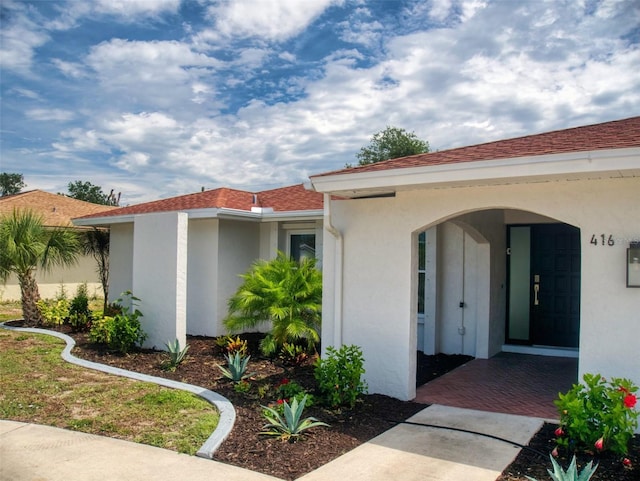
239	247
376	301
120	259
160	276
202	278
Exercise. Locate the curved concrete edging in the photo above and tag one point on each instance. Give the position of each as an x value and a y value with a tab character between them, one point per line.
224	406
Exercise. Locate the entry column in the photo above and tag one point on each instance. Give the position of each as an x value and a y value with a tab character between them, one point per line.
160	276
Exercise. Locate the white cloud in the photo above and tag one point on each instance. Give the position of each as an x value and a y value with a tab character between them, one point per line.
440	9
275	20
58	115
71	13
27	93
19	37
488	71
133	8
70	69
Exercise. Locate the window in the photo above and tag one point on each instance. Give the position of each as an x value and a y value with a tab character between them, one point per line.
302	245
422	270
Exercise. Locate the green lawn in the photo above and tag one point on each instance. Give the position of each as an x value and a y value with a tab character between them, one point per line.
39	387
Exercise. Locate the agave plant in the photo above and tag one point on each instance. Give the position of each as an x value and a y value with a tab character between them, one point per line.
176	355
571	474
290	425
237	366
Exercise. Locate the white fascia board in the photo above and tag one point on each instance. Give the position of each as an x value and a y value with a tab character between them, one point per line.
574	165
104	221
294	215
222	213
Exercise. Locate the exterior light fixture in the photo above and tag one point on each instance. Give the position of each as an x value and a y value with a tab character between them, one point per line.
633	265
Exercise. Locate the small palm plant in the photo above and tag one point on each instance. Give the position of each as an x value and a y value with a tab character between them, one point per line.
289	426
237	367
571	474
176	355
286	293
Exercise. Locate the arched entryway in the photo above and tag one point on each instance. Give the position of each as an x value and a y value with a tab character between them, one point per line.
453	284
498	280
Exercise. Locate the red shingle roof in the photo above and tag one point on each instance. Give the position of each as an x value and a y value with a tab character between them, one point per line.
295	197
285	199
609	135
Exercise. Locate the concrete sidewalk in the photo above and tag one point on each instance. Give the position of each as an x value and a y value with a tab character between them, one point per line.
30	452
406	452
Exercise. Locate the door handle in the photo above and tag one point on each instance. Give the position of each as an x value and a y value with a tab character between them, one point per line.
536	289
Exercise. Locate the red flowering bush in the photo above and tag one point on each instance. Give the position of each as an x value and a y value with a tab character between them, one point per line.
597	414
289	390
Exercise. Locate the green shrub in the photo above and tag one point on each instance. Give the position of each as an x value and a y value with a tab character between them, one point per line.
289	390
79	313
597	414
339	376
54	311
123	331
101	330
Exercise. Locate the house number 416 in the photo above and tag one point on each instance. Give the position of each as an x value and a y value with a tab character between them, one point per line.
602	240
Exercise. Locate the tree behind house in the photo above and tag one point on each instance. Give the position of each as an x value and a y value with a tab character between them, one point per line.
92	193
26	245
11	184
391	143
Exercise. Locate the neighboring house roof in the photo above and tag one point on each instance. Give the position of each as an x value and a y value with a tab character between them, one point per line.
285	199
57	209
609	135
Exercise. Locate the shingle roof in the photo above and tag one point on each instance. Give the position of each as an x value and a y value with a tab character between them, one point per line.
609	135
57	210
292	198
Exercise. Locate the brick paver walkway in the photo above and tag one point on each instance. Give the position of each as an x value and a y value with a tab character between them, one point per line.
507	383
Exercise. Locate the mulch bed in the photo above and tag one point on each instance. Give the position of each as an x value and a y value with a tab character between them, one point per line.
374	414
534	461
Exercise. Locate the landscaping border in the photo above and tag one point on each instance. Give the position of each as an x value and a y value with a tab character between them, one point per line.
222	404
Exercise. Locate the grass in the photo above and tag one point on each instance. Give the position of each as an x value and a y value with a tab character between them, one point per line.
10	310
39	387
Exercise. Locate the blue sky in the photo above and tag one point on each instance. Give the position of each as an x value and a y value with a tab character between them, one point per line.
156	98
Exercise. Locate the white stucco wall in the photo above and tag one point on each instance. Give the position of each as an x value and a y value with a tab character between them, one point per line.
120	260
239	248
202	277
160	276
377	311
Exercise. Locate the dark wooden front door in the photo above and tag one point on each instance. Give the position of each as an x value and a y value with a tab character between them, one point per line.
555	284
544	285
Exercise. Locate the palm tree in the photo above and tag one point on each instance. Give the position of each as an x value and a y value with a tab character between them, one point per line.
285	292
26	245
95	242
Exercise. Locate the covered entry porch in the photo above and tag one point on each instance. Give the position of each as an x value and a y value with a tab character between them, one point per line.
511	383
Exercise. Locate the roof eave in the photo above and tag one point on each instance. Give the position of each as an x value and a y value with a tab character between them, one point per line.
219	213
574	165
